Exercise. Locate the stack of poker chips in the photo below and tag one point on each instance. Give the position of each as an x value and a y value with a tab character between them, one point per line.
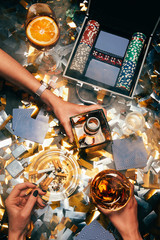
130	61
85	46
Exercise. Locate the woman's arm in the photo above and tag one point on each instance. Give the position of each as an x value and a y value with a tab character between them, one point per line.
125	220
14	72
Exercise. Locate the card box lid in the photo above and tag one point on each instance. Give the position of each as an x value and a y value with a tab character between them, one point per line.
126	16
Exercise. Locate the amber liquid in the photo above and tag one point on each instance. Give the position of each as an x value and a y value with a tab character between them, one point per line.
110	189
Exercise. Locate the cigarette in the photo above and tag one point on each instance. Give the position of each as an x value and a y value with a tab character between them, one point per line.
59	164
46	170
47	181
41	171
32	173
46	197
55	164
41	179
29	190
61	174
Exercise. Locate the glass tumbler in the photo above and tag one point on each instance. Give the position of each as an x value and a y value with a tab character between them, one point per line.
134	122
110	189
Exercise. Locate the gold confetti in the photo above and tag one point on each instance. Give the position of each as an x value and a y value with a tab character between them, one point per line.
85	164
24	4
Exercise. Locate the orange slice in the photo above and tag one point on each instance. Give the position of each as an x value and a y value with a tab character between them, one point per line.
42	31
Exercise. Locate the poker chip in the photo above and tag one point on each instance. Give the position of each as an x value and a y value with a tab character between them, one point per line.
131	58
126	75
140	35
134	49
80	58
90	33
85	46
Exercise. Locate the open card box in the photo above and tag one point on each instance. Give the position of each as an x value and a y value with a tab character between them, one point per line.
108	55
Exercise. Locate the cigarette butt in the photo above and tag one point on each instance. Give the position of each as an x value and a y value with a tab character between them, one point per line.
55	164
45	181
46	197
49	181
46	170
32	173
29	190
45	184
59	164
41	171
61	174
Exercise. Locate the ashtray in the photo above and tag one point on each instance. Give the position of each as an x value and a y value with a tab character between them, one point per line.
56	172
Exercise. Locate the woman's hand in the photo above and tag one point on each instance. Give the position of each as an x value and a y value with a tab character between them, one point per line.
19	208
125	220
64	110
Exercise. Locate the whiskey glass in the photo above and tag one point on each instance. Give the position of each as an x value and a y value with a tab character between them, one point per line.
110	189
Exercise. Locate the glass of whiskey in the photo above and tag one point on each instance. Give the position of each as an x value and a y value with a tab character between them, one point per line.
91	130
110	189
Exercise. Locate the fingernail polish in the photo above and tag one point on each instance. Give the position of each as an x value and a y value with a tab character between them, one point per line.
44	190
34	184
44	203
35	193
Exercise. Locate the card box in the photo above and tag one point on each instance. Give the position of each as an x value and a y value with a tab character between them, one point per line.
86	140
118	20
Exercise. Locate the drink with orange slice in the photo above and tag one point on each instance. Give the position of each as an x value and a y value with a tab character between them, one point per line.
41	26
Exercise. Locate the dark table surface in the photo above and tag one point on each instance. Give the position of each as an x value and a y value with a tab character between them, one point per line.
51	64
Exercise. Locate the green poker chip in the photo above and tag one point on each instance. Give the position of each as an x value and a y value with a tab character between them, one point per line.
140	35
131	58
135	47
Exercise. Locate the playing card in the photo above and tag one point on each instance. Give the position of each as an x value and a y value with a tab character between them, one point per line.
94	231
129	153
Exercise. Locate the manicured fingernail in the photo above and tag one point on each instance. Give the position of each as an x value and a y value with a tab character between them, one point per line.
34	184
44	203
35	193
44	190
